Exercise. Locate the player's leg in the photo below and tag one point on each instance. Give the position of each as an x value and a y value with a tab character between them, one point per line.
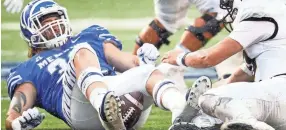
198	34
155	87
170	15
244	105
165	93
89	79
174	73
192	118
83	115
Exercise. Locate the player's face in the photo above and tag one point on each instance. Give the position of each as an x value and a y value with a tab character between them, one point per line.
53	29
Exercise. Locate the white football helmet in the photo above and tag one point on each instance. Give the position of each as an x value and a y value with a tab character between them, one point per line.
53	33
231	7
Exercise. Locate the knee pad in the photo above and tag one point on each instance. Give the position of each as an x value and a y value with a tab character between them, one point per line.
161	32
158	90
209	103
212	26
87	77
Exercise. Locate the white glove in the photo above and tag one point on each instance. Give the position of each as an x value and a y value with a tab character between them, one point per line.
29	120
13	6
148	54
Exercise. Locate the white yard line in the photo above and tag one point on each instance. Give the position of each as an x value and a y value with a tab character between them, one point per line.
14	53
114	24
79	24
5	98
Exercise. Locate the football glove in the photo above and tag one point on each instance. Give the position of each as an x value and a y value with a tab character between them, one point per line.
148	54
29	120
13	6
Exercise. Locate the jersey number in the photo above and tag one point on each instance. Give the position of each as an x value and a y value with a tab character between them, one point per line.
59	64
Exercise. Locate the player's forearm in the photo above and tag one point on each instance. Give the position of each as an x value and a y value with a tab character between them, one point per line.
125	62
200	59
212	56
240	76
19	103
122	61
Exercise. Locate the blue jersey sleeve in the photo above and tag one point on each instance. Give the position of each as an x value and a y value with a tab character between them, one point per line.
16	77
104	35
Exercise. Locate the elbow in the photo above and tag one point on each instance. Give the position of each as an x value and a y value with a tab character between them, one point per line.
8	125
8	122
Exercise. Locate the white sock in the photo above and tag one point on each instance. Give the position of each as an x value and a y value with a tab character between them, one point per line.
97	96
173	100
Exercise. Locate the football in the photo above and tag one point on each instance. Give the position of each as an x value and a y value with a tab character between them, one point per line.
132	106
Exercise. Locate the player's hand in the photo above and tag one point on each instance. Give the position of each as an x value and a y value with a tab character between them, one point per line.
148	54
29	120
174	57
13	6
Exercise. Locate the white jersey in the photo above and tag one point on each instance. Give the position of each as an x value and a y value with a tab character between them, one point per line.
263	41
172	13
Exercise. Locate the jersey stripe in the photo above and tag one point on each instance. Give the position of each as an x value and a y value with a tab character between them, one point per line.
68	84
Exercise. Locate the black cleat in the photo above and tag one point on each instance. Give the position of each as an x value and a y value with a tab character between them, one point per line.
110	112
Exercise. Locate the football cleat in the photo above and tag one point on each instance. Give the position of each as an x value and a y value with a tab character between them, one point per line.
110	112
191	126
201	85
184	126
246	125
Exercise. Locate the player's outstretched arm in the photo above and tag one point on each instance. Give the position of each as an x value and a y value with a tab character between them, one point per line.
122	61
206	57
24	98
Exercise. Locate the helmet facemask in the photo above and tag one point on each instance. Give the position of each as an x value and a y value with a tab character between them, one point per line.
228	19
52	33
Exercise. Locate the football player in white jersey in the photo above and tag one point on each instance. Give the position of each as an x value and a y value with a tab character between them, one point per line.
258	30
170	16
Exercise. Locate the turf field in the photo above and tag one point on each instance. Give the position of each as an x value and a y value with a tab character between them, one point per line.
14	49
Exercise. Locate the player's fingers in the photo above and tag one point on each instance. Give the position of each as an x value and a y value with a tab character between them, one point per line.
18	7
165	60
7	2
13	10
9	8
27	116
155	55
33	114
36	110
139	51
165	56
22	119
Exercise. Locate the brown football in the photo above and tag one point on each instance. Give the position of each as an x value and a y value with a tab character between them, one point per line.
132	106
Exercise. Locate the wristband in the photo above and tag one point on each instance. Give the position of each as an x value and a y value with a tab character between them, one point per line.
181	59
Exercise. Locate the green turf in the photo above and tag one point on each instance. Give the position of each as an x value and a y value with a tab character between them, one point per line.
101	9
98	9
